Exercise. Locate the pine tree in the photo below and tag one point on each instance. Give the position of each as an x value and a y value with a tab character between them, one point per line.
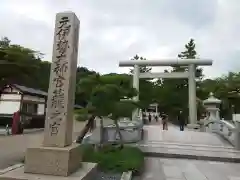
142	69
178	88
190	52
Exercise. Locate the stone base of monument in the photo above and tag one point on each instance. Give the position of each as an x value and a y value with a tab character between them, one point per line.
193	126
53	160
86	172
51	163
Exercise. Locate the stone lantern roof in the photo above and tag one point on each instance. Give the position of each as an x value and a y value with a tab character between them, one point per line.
212	100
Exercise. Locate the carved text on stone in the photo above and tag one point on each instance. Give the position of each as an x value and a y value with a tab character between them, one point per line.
60	68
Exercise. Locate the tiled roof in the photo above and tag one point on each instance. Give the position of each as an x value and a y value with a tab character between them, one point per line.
30	90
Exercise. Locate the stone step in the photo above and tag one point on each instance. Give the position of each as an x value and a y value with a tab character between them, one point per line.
190	152
187	145
191	147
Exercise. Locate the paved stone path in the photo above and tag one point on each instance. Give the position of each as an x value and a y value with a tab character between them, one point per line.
174	143
26	131
12	148
174	135
170	142
184	169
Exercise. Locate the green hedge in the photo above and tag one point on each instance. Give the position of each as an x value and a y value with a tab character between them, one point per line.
114	159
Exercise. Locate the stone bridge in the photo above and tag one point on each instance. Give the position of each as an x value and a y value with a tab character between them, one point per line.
208	153
216	140
191	155
219	145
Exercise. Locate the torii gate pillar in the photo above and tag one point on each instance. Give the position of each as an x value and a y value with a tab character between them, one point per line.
192	94
136	73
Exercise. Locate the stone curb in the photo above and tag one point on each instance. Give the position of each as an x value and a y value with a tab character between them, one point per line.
10	168
27	131
189	156
90	173
126	175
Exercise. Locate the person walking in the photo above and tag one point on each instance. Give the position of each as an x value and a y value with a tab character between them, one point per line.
15	123
156	117
149	118
165	122
7	130
144	118
181	121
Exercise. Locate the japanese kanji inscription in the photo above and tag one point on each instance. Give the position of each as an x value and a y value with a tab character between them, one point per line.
59	116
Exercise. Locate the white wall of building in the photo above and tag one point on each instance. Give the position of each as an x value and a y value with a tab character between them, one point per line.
236	117
41	109
9	103
9	107
10	97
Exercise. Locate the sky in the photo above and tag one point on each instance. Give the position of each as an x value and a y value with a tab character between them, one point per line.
114	30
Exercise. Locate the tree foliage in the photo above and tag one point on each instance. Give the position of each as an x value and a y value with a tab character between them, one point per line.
25	66
142	69
107	96
22	66
190	52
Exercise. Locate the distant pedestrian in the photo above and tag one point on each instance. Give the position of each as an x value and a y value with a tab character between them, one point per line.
16	123
156	118
165	122
149	117
144	118
181	121
7	130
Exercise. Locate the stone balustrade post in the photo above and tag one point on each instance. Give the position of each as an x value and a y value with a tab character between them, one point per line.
237	135
202	125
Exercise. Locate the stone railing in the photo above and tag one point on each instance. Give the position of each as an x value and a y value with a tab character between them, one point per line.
131	131
227	130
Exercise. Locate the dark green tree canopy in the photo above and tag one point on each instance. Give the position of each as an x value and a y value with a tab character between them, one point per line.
27	67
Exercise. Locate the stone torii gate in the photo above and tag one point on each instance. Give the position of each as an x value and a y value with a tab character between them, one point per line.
191	63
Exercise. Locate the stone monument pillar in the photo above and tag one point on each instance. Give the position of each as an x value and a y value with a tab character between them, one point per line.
61	92
58	156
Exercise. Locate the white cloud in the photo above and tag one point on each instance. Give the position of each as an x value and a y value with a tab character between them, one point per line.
116	30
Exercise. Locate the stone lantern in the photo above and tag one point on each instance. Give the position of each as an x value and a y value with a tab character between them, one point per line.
212	106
